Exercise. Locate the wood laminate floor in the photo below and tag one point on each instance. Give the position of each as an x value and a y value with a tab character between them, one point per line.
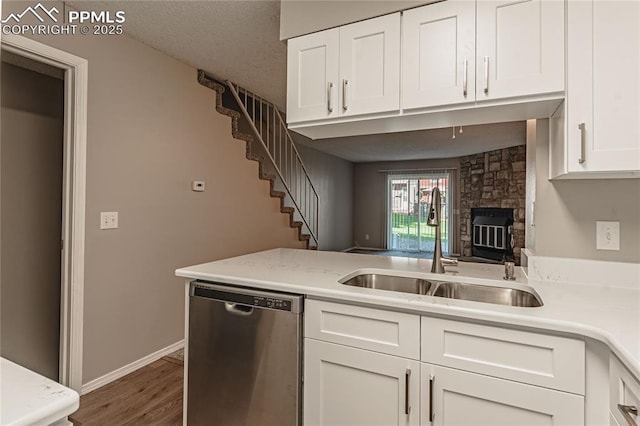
151	395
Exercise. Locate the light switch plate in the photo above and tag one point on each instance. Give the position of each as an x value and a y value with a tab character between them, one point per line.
607	235
108	220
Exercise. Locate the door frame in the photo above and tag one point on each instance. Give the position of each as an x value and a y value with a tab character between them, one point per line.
73	198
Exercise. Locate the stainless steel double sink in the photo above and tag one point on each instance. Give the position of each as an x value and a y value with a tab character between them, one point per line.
501	295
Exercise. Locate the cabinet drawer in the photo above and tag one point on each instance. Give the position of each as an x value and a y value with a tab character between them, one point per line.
548	361
624	390
377	330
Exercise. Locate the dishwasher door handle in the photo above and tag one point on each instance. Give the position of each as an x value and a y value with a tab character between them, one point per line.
235	309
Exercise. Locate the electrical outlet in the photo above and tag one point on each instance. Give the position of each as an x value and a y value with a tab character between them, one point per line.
108	220
607	235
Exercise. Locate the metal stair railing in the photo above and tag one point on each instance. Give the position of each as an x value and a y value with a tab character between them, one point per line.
272	133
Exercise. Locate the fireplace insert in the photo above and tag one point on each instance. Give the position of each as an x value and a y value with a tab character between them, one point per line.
492	233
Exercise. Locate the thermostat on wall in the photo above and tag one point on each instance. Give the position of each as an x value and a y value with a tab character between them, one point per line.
197	185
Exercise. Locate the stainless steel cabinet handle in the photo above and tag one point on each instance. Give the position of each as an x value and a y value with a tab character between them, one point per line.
407	406
329	101
627	411
486	75
236	309
432	415
345	84
581	127
465	64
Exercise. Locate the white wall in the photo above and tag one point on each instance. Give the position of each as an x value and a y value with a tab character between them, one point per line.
566	211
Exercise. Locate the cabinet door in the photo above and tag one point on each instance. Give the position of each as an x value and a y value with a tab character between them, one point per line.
438	54
467	399
370	66
348	386
312	80
520	48
624	391
603	86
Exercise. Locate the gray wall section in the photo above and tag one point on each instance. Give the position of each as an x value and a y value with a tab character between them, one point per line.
31	214
369	214
333	179
298	17
152	129
566	211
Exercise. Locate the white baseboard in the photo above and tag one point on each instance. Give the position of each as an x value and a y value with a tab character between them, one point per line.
130	368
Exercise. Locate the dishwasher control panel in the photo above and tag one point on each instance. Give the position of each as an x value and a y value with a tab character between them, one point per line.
256	300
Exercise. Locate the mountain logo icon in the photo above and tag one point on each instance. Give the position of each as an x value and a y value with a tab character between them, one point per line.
38	11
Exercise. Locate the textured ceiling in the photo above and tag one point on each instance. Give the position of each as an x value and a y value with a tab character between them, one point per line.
424	144
236	40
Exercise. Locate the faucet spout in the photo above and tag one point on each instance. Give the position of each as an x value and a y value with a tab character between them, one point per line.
433	220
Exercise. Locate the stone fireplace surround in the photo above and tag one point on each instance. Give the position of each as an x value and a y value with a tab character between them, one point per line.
493	179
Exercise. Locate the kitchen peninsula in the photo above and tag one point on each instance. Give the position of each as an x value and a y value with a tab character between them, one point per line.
557	359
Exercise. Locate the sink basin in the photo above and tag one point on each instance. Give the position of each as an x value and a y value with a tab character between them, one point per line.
390	283
487	294
453	290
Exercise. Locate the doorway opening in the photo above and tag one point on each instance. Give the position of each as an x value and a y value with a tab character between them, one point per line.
72	215
409	199
31	215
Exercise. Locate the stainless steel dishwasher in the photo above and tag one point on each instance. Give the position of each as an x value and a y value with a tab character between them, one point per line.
244	356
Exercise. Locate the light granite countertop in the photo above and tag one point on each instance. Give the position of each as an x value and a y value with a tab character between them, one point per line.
608	312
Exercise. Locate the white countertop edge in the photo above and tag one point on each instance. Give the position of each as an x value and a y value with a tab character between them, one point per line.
65	401
49	415
439	307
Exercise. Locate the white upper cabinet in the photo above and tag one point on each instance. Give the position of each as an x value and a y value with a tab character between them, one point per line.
603	85
370	66
438	54
454	62
312	83
354	69
520	48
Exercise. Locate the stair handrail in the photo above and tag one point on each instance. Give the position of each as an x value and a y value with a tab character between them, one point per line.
313	226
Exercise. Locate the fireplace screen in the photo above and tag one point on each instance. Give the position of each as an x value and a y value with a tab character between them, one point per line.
490	236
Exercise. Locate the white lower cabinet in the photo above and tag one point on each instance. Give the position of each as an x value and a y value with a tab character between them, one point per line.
362	367
453	397
624	395
349	386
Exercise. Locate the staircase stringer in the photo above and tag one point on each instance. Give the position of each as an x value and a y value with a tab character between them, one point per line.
253	153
